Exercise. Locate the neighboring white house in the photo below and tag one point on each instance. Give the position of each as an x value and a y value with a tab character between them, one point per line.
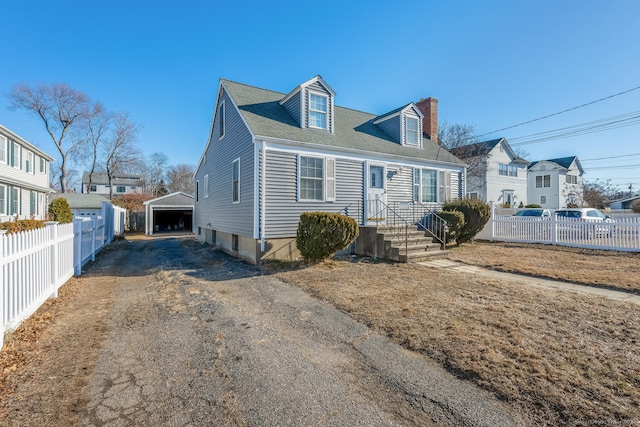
24	178
498	174
271	156
555	183
122	183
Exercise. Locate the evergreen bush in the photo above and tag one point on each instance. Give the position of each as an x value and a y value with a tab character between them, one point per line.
533	205
476	215
321	234
635	206
455	222
60	211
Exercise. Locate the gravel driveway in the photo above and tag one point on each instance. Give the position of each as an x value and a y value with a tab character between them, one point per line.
194	337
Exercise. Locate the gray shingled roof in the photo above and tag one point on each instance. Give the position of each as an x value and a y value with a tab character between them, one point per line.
352	129
83	201
173	199
119	179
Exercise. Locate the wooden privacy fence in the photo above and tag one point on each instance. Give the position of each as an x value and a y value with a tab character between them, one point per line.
34	264
619	234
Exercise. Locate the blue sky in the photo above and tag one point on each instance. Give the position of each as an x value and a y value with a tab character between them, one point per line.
491	64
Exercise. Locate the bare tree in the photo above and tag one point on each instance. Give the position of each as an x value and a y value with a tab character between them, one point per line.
180	178
96	128
156	171
460	140
597	192
121	153
61	109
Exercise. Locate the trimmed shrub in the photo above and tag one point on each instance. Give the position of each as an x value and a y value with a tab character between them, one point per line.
635	206
455	222
476	214
60	211
321	234
572	205
533	205
21	225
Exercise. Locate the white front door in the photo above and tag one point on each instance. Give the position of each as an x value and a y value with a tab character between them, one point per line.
376	209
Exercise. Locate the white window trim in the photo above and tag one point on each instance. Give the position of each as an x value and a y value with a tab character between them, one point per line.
419	185
326	113
17	148
324	178
406	132
222	119
43	165
232	167
206	186
4	145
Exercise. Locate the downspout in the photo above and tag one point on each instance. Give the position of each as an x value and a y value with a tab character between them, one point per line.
263	179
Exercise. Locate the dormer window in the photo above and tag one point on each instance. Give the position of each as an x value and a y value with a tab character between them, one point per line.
411	131
317	111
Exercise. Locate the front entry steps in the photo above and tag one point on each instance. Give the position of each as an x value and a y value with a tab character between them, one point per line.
389	243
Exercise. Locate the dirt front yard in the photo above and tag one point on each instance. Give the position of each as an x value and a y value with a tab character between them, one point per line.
617	270
565	358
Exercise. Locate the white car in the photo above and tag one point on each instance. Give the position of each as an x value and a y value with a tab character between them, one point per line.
589	222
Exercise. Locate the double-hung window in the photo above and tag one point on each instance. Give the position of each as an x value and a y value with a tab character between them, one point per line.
318	105
121	189
3	199
425	185
206	186
411	131
29	165
311	178
33	203
43	165
14	154
3	149
543	181
14	201
507	170
235	181
572	179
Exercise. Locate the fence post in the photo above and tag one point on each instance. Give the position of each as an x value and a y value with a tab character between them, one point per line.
554	229
52	226
2	294
493	220
77	247
94	223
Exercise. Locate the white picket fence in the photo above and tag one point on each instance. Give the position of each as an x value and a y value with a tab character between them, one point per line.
35	264
621	234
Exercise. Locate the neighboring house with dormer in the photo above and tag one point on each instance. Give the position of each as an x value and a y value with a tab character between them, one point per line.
122	183
24	178
271	156
500	175
556	183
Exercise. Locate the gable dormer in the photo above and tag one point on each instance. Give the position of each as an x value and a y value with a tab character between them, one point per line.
311	105
403	124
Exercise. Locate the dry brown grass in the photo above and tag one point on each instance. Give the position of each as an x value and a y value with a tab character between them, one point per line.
560	357
619	270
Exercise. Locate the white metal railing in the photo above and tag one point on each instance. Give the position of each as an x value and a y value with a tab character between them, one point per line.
620	234
34	264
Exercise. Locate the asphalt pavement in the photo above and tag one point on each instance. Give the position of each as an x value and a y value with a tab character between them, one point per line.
199	338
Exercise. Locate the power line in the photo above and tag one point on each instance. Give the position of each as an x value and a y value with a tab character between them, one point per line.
614	167
561	112
612	157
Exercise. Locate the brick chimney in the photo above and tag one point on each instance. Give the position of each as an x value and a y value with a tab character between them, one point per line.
429	108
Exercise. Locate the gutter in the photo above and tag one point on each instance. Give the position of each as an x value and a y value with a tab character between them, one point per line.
363	153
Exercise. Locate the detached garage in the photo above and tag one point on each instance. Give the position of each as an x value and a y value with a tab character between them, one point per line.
170	213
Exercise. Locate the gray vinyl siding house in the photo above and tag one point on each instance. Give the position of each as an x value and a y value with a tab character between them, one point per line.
271	156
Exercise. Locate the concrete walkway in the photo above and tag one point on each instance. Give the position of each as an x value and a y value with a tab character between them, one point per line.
447	264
